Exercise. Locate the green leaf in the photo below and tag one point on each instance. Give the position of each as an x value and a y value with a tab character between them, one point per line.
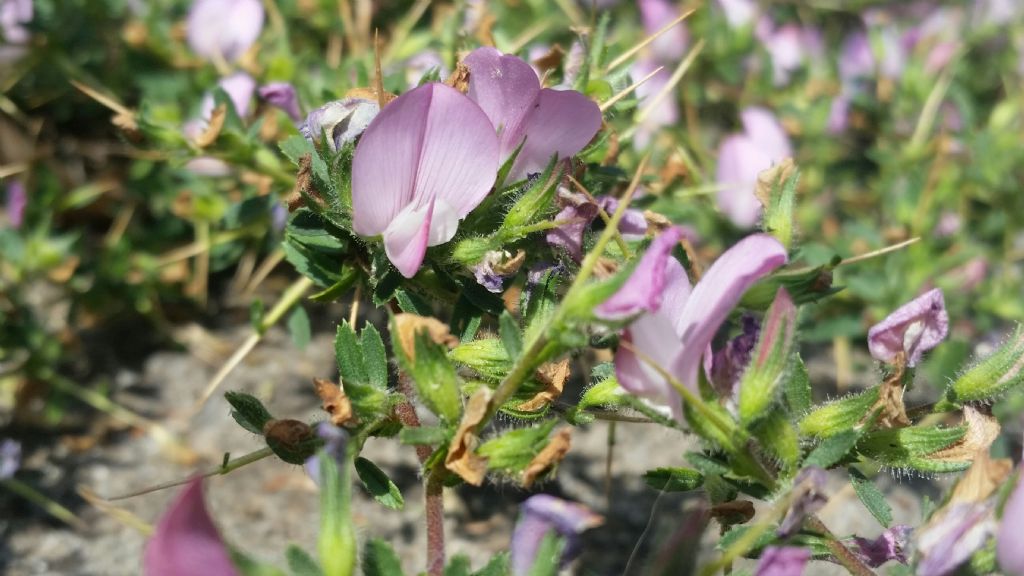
301	563
549	556
498	566
379	559
248	566
423	435
295	147
797	388
298	327
832	449
350	358
318	266
872	497
487	356
459	566
375	358
368	399
910	447
379	485
839	416
436	382
511	338
248	411
673	479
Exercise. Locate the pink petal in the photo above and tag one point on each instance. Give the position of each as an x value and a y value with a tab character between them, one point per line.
782	561
186	540
655	14
653	336
913	329
224	27
717	293
644	288
507	88
739	162
764	130
1008	548
405	240
430	143
282	95
561	124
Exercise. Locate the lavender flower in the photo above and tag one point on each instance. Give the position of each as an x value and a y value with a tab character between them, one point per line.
545	122
543	514
224	28
342	121
422	165
681	321
948	541
728	364
186	540
579	212
913	329
741	157
809	497
17	199
738	13
1008	544
282	95
782	561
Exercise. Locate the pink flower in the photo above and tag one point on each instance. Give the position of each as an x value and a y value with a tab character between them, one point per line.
427	159
546	122
738	13
14	36
17	199
913	329
741	157
680	321
224	28
186	540
655	14
543	514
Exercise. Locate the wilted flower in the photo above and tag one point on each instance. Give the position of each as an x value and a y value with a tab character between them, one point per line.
782	561
335	443
186	540
342	121
282	95
422	165
545	122
10	458
224	28
948	541
541	515
17	199
741	157
579	212
891	544
680	322
913	329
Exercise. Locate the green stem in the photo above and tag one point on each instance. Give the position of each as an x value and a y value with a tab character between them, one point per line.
842	554
39	499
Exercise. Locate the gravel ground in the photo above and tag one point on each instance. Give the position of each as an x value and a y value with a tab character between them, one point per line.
264	506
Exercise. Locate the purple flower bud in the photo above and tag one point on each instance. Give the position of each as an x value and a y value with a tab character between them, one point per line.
809	497
543	514
782	561
728	364
282	95
224	28
341	120
890	545
335	444
1009	551
913	329
186	541
948	541
17	199
10	458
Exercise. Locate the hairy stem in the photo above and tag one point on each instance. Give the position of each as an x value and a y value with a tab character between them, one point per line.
435	522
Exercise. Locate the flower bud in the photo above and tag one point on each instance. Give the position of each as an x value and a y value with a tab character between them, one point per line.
342	121
763	377
995	375
838	416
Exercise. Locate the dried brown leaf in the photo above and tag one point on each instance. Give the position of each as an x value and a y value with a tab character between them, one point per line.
462	458
459	79
551	60
982	430
982	479
733	512
553	375
213	127
892	413
768	179
334	401
409	325
550	456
